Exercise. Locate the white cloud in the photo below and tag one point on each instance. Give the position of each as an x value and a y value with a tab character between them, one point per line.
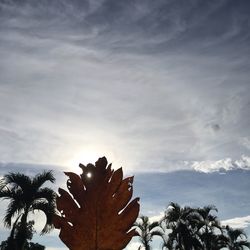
222	165
156	217
238	222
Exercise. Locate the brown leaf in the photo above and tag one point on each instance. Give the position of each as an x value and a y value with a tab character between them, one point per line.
96	213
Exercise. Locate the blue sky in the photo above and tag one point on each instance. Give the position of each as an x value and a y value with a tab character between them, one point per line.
158	87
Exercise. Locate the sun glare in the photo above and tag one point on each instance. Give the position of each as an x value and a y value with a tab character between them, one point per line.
89	175
84	157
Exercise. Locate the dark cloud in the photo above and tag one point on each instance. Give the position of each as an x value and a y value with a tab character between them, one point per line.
215	127
136	26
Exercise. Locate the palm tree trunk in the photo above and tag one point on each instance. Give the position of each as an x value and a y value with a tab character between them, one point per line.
11	240
22	234
147	247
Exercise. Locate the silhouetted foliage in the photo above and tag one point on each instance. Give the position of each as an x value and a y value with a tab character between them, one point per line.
207	225
146	230
8	244
35	246
26	195
97	212
27	246
196	229
181	222
236	239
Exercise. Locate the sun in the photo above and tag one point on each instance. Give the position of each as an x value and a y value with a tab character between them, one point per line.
89	175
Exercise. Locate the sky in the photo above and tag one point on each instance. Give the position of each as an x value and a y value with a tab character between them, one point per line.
160	88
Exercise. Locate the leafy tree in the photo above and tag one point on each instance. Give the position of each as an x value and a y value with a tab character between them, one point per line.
26	195
191	229
218	241
146	230
27	246
237	239
35	246
8	244
182	222
207	226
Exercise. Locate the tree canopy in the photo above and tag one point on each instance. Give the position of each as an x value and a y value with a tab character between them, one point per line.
26	194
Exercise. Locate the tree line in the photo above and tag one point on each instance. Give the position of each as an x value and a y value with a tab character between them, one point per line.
181	228
187	228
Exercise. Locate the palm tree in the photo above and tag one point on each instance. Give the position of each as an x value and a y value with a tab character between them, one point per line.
146	230
207	226
237	239
181	222
218	241
10	243
26	195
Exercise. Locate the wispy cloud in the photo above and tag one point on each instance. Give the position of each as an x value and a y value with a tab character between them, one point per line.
238	222
156	217
139	76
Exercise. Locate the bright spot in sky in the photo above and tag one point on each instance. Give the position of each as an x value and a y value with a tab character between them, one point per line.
89	175
87	155
84	157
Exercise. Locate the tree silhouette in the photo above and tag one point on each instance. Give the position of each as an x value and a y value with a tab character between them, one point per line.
26	195
7	245
192	229
237	239
218	241
207	224
146	230
181	222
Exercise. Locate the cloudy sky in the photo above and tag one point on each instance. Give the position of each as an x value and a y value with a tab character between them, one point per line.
159	87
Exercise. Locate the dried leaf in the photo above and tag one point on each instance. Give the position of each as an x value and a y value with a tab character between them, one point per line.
96	213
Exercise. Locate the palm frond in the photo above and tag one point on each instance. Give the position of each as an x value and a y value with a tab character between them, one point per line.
14	207
174	205
6	193
2	183
153	225
18	179
138	229
46	194
234	234
157	233
210	208
242	243
40	179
